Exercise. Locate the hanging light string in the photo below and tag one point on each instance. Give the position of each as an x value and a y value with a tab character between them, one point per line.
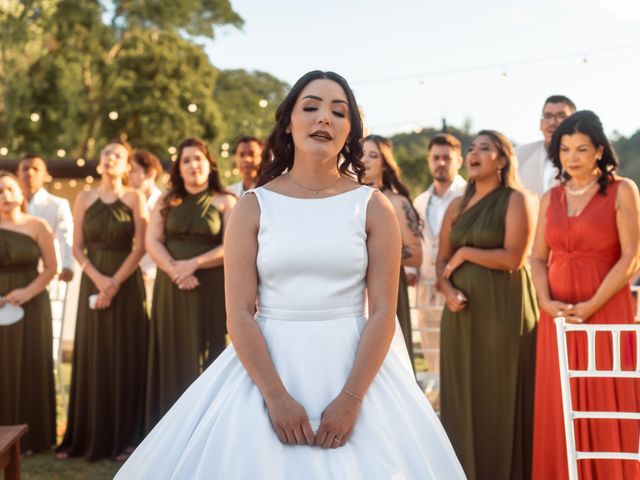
583	55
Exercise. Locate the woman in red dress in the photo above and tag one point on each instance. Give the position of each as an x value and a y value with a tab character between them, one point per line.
585	252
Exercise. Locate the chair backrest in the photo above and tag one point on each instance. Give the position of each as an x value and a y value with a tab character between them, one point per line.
635	290
570	414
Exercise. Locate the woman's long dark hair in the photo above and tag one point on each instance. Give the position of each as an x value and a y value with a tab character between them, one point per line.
390	170
588	123
277	156
177	191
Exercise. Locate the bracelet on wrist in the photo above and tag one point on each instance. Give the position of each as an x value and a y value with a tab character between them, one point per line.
351	394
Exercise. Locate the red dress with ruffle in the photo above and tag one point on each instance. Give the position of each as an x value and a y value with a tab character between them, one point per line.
584	248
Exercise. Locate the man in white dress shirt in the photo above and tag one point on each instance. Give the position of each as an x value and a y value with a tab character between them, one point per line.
535	169
32	173
144	173
248	152
444	160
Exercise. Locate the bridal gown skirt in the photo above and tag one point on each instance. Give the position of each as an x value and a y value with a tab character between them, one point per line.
220	427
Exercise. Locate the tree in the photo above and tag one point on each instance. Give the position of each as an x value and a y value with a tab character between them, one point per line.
628	150
249	101
136	76
162	94
411	150
23	27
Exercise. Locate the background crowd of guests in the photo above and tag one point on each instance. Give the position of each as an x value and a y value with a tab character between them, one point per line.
553	214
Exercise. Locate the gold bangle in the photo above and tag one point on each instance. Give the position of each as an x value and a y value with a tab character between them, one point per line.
351	394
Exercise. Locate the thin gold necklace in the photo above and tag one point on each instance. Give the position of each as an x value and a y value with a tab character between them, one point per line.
576	192
315	191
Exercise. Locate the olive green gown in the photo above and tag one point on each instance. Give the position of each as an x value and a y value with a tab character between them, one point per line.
403	312
106	405
27	393
488	354
188	327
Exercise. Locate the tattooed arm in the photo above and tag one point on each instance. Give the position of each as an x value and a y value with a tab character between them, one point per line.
410	229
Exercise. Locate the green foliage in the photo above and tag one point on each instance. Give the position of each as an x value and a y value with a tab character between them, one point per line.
628	150
159	76
23	26
239	93
194	17
410	152
84	72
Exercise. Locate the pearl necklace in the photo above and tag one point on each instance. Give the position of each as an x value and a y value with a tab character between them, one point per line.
579	191
315	191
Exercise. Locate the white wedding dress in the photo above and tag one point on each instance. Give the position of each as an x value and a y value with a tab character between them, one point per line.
312	262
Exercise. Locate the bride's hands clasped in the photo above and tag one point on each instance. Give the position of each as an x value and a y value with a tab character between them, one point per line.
290	421
338	420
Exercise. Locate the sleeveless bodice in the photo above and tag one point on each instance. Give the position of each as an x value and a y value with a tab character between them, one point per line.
575	238
17	252
584	247
108	226
193	227
312	253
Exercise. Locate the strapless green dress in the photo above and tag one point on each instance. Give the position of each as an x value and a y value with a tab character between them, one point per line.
27	393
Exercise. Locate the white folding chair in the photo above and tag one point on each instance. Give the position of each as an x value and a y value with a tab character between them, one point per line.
635	290
562	327
58	296
427	302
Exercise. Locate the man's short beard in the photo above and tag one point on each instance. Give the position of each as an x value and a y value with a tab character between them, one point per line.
442	178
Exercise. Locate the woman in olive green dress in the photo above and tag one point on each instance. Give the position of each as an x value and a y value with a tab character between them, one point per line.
26	355
188	319
489	321
383	173
106	406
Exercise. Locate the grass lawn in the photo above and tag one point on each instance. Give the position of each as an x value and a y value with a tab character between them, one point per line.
45	466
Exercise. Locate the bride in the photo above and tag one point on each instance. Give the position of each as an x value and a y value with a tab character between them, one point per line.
310	388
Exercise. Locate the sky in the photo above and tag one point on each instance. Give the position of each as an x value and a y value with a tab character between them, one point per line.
489	63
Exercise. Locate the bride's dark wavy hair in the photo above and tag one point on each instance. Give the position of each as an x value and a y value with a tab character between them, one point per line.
278	153
587	122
